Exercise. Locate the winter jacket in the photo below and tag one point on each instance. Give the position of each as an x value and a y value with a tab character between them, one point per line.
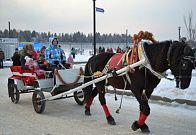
54	53
2	56
16	59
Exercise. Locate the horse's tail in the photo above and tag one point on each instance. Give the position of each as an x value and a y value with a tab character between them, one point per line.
87	77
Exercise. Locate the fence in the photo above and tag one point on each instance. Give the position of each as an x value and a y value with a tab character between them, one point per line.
8	45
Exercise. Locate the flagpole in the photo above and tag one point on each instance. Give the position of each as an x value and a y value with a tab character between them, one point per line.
94	27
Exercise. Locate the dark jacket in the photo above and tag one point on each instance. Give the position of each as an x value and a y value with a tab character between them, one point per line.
16	59
2	56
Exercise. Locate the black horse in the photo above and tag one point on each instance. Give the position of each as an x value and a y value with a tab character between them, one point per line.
176	56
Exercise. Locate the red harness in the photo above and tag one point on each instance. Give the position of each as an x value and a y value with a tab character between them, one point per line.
120	60
115	62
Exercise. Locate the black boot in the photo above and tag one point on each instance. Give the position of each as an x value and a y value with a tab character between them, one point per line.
111	120
87	111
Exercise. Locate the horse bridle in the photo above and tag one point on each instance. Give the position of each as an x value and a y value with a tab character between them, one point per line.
183	62
192	59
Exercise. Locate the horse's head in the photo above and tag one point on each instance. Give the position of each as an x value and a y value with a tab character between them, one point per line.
181	61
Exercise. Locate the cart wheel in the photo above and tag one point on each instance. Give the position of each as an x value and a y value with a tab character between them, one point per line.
14	93
79	97
38	101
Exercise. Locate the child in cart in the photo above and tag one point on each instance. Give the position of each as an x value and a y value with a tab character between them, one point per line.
33	64
29	61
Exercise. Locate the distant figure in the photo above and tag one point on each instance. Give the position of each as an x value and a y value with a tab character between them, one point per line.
118	50
70	60
16	58
103	49
100	49
63	57
2	57
108	49
111	50
73	52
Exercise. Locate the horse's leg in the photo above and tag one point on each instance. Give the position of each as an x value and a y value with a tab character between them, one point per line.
102	100
144	112
140	123
89	102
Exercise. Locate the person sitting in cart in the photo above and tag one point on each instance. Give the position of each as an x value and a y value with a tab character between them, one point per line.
27	52
29	62
54	55
41	59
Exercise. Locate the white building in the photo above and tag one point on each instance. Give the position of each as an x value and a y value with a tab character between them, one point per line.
8	45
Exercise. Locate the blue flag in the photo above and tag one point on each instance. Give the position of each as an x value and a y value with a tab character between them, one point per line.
99	10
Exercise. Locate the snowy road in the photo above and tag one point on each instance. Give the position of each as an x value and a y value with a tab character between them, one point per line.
65	117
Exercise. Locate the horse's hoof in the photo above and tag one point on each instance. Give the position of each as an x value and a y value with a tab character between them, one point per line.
111	120
87	111
135	126
144	128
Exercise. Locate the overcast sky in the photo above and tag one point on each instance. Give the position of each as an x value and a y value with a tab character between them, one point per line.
161	17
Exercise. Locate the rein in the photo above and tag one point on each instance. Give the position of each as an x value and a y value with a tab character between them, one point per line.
192	59
188	58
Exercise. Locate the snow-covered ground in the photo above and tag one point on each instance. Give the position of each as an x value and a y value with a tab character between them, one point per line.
66	117
167	89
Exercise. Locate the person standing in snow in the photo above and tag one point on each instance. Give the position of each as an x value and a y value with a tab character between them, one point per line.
2	57
73	52
16	58
70	60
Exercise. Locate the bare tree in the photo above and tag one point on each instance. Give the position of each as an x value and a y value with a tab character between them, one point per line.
190	27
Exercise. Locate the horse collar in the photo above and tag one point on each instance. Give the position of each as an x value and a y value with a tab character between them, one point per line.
148	65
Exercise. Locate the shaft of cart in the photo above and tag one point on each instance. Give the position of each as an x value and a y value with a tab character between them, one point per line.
120	71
